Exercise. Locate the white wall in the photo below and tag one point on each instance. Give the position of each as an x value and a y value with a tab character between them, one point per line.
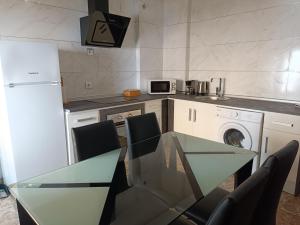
150	41
176	39
254	44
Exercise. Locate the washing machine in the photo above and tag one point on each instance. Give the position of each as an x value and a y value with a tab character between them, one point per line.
240	128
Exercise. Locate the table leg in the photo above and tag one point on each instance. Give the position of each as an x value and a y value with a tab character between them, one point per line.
24	217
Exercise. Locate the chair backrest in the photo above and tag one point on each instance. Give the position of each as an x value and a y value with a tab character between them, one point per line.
238	207
141	127
279	165
95	139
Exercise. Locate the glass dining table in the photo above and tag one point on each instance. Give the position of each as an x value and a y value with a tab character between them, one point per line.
150	182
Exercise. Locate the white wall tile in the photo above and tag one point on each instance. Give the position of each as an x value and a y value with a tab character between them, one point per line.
273	23
205	75
151	59
257	84
174	59
294	65
175	36
254	44
123	59
150	35
151	11
32	20
80	5
252	84
176	11
204	10
104	84
127	8
253	56
293	90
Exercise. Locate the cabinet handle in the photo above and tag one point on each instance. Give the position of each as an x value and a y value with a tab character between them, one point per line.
190	114
86	119
266	145
283	124
195	115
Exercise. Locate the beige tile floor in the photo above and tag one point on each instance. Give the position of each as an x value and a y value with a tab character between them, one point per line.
288	211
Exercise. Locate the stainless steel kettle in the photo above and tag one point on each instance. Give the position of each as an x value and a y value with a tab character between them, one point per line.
203	88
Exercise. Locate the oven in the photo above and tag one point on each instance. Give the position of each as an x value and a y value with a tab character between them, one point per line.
118	116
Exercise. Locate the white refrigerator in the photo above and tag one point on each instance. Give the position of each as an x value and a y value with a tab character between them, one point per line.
32	130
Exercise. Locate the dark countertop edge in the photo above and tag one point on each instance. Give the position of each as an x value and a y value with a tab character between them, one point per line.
233	102
85	105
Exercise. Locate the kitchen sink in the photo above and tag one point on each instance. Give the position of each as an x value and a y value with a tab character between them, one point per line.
213	98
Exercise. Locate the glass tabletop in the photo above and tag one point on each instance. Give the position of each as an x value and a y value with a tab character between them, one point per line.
150	182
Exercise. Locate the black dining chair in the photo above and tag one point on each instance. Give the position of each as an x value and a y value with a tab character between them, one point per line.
143	137
141	127
238	207
95	139
279	165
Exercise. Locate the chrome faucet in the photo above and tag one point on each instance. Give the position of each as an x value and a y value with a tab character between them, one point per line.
220	90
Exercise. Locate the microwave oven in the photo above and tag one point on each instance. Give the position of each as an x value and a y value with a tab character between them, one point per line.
162	87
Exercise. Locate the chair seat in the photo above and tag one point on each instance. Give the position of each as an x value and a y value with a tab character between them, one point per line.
202	210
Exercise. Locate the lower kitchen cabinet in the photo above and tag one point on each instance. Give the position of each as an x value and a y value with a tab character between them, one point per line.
78	119
183	117
156	107
206	121
280	129
194	118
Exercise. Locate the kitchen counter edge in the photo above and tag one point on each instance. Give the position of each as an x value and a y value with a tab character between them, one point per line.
243	103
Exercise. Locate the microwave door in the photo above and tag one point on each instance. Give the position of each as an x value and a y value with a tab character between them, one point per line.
160	87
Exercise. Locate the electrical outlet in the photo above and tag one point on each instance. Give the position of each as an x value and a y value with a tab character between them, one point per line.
90	51
88	85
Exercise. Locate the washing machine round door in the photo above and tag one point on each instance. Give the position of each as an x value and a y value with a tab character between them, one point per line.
236	135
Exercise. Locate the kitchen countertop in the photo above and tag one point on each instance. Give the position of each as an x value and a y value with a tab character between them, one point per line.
261	105
107	102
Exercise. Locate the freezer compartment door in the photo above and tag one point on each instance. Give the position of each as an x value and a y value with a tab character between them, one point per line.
26	62
37	129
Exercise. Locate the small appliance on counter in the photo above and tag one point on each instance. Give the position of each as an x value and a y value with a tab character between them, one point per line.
163	86
203	88
191	87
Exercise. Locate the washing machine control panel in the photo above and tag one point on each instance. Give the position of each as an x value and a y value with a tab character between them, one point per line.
230	114
239	115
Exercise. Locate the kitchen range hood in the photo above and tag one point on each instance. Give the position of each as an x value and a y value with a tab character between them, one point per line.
102	29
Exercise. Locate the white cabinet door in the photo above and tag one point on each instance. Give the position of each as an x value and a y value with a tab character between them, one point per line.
184	117
78	119
273	141
205	117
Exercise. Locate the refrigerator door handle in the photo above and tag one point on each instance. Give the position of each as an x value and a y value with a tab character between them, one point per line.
12	85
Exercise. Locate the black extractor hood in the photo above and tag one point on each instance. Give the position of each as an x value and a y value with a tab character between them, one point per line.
102	29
